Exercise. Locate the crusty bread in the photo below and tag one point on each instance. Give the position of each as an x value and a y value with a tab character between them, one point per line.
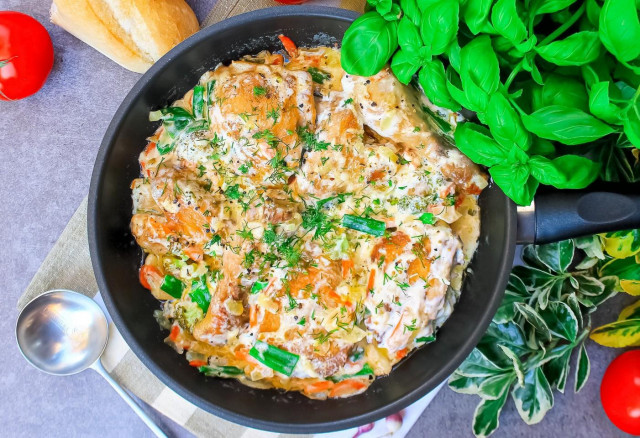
133	33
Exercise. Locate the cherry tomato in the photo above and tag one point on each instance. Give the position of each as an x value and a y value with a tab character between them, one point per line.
620	392
26	55
291	2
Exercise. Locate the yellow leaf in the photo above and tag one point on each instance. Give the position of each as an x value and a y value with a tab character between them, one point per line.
631	287
619	247
618	334
630	312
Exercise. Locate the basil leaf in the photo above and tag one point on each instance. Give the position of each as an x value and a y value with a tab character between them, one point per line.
600	105
368	44
505	123
454	87
578	49
541	146
475	142
550	6
593	13
408	35
516	292
534	398
381	6
566	172
560	320
479	64
515	180
620	29
557	369
505	20
453	52
565	124
631	121
486	415
404	65
534	319
439	25
433	80
476	15
583	368
411	11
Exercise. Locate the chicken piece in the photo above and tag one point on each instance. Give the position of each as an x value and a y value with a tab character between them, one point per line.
228	310
392	110
409	281
256	113
338	159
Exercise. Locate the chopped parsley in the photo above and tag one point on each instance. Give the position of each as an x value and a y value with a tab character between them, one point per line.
233	192
318	76
259	91
348	102
311	140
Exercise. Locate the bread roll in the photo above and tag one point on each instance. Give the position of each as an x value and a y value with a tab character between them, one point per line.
133	33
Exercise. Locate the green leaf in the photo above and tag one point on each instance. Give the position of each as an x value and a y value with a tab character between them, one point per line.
588	285
516	292
550	6
505	20
434	83
600	105
517	365
567	125
368	44
534	398
557	369
464	384
578	49
583	368
476	143
475	14
510	335
561	320
478	365
532	277
505	123
631	120
440	25
404	65
487	414
620	29
572	302
556	256
479	64
411	11
515	181
534	319
495	386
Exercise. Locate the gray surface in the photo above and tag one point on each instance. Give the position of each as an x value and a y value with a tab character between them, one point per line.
49	142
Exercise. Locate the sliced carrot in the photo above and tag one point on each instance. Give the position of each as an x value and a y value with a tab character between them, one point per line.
145	272
402	353
347	265
175	331
241	353
474	189
289	46
347	387
316	387
149	147
372	280
198	363
194	253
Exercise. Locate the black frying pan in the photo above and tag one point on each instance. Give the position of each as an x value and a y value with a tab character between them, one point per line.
116	256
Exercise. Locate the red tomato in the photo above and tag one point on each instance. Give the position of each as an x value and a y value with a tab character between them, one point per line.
26	55
620	392
291	2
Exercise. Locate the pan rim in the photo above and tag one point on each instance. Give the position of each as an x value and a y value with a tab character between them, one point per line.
138	349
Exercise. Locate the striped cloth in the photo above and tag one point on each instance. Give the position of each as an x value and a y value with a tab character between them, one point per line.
68	266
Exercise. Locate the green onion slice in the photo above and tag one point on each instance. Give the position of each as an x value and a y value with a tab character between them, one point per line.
197	101
365	371
198	125
200	293
273	357
210	86
427	218
258	286
426	339
364	224
172	286
223	371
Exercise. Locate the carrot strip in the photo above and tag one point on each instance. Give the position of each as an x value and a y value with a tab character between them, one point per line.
316	387
175	331
289	46
347	387
145	271
372	279
198	363
402	353
346	267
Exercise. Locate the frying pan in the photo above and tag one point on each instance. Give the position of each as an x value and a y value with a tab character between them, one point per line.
116	257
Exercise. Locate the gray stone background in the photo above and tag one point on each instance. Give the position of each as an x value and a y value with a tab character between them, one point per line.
49	142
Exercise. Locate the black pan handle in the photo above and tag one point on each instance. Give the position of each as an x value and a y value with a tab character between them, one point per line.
563	214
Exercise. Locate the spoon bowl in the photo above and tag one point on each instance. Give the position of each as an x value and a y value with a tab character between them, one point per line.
62	332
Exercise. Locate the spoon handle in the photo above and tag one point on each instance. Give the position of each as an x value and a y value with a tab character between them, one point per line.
97	366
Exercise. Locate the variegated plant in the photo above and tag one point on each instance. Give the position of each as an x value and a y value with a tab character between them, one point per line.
542	320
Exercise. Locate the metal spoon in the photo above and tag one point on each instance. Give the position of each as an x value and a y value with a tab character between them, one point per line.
62	333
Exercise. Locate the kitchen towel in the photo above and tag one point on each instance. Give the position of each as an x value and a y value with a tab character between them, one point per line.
68	266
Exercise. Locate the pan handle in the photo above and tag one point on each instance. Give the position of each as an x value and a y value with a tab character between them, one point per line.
563	214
